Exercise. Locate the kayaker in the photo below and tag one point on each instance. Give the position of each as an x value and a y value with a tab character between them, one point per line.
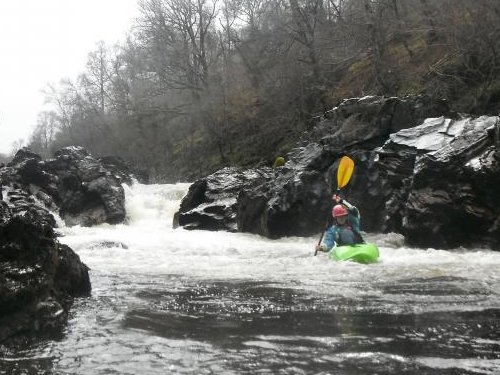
346	227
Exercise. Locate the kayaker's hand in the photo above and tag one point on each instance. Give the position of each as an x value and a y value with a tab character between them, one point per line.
336	198
320	248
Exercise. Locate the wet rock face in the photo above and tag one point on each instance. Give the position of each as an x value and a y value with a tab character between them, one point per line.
432	178
296	199
123	170
211	202
369	121
447	197
282	205
39	277
74	183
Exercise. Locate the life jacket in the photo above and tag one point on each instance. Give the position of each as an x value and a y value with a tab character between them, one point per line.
347	236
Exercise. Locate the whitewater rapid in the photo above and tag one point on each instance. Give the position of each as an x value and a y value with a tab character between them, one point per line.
169	300
147	244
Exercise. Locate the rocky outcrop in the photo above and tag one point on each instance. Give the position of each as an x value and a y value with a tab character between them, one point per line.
79	187
123	170
294	202
432	180
368	121
295	199
39	277
442	178
211	202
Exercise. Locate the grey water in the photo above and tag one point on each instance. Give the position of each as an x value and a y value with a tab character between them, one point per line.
173	301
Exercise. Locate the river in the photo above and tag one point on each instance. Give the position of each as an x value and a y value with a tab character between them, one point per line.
195	302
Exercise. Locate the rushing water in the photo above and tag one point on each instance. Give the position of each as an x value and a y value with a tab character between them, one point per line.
196	302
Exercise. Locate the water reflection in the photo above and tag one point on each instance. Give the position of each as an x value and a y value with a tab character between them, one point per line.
290	331
247	327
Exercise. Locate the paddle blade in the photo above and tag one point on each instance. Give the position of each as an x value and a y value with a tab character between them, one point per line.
344	172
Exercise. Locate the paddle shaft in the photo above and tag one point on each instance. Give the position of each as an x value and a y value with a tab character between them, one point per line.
322	234
324	230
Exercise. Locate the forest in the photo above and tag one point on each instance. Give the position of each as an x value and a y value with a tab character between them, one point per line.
201	84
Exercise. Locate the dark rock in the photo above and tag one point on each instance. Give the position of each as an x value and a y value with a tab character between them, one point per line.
123	170
107	245
283	204
50	315
39	277
71	277
211	202
118	167
75	184
296	200
432	180
367	122
89	194
22	155
448	197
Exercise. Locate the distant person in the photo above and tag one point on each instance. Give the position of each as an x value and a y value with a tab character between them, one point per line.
346	227
279	162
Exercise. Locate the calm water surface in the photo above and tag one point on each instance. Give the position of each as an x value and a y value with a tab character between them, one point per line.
173	301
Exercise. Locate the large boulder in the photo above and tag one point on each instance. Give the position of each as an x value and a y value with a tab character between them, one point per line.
74	183
294	202
39	277
367	122
124	170
211	201
443	179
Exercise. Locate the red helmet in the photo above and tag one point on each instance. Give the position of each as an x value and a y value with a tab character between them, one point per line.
339	210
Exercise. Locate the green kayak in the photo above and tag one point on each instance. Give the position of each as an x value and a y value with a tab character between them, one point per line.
361	253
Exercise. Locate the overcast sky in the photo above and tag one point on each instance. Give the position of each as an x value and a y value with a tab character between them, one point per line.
43	41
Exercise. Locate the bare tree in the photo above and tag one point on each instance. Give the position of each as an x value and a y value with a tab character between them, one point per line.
181	40
202	83
306	19
97	78
43	137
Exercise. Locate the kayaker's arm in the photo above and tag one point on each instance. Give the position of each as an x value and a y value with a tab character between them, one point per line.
354	219
347	204
354	215
328	239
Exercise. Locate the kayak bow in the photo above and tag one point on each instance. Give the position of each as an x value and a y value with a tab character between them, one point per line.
361	253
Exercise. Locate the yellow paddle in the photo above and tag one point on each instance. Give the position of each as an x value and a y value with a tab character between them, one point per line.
344	173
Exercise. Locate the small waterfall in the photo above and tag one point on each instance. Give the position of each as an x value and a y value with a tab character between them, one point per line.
153	203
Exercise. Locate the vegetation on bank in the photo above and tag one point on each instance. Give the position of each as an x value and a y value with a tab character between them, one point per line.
201	84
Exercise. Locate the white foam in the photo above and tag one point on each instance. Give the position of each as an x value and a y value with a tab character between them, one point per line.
148	245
